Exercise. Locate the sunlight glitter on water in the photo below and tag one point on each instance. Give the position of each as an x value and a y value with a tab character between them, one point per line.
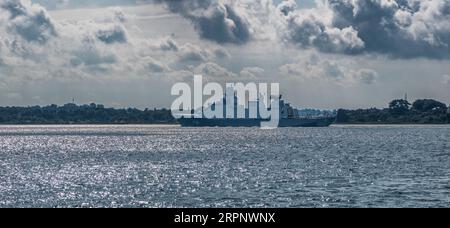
169	166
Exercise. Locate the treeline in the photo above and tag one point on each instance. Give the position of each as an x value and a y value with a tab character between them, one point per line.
424	111
84	114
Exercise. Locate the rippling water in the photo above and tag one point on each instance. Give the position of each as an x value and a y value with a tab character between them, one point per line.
158	166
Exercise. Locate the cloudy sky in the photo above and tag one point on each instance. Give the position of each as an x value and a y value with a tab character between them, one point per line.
324	53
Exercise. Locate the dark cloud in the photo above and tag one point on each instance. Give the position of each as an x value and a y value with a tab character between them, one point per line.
219	22
168	44
221	53
287	6
307	30
398	28
391	27
31	22
115	34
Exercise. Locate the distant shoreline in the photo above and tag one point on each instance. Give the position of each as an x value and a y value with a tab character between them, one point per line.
178	125
90	124
399	112
390	124
89	114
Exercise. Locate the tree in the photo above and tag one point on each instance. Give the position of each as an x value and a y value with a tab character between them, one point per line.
85	114
427	105
341	116
448	115
399	106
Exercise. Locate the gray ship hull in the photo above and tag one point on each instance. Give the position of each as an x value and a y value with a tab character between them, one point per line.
304	122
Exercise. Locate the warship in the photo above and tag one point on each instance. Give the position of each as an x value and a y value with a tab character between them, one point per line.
289	117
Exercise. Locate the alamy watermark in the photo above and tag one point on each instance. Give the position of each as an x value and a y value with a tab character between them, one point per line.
252	101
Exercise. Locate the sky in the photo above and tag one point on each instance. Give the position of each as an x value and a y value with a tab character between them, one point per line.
325	54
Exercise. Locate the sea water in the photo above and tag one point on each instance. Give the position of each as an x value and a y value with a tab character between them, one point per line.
170	166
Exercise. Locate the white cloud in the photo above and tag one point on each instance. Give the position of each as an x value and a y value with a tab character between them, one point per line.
29	21
190	53
331	70
213	71
102	46
252	73
151	46
152	65
367	76
165	44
